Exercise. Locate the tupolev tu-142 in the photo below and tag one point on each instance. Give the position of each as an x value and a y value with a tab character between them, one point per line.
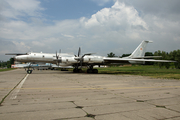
89	60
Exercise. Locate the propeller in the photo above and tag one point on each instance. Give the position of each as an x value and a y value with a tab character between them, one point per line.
80	59
79	51
57	57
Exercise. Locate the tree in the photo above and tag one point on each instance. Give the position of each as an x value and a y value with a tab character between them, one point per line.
125	55
175	55
11	61
8	64
3	64
111	54
158	53
149	54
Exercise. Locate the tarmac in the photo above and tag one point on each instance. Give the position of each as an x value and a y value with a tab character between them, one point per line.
63	95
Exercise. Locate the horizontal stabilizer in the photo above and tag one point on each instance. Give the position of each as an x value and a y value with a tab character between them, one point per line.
147	57
121	60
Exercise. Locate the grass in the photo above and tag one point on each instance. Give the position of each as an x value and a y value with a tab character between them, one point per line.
153	71
6	69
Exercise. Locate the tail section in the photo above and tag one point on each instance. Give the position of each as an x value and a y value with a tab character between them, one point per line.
139	52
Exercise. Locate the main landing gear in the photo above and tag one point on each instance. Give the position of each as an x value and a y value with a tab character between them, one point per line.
92	71
89	70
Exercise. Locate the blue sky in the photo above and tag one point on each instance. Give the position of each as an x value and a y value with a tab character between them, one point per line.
71	9
98	26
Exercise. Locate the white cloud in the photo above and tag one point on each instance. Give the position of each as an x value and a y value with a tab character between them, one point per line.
17	8
117	29
118	15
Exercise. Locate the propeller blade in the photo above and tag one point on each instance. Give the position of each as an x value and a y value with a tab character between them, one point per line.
80	59
16	54
59	51
79	51
57	57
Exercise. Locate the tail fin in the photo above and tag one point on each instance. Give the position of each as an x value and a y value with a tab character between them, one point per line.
139	52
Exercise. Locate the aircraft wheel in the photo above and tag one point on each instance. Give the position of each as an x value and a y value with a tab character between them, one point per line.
74	70
95	71
29	71
92	71
89	70
79	70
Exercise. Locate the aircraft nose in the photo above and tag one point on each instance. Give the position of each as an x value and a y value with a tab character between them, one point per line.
17	58
14	58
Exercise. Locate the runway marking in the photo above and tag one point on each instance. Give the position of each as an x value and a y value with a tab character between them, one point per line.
18	88
160	87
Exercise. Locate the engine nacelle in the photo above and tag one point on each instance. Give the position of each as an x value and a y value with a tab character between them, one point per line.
94	59
68	60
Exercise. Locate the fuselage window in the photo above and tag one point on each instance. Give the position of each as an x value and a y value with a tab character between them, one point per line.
43	56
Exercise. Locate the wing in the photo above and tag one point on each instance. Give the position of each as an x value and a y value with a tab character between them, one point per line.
129	60
147	57
56	66
29	66
66	67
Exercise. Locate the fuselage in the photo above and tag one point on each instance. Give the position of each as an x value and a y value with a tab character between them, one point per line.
36	57
66	59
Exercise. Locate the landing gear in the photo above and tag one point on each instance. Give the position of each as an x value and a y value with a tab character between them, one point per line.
64	69
29	71
76	70
92	71
89	70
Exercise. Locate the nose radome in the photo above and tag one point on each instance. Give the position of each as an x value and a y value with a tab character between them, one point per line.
18	58
14	58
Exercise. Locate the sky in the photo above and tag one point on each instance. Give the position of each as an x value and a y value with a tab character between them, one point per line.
97	26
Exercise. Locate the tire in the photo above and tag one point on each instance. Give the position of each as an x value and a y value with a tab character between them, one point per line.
89	71
95	71
29	71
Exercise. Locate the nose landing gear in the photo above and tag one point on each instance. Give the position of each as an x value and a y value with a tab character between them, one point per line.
29	71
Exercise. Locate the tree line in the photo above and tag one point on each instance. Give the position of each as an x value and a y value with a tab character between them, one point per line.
7	63
173	55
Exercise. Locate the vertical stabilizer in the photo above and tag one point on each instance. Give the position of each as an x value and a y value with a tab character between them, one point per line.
139	52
